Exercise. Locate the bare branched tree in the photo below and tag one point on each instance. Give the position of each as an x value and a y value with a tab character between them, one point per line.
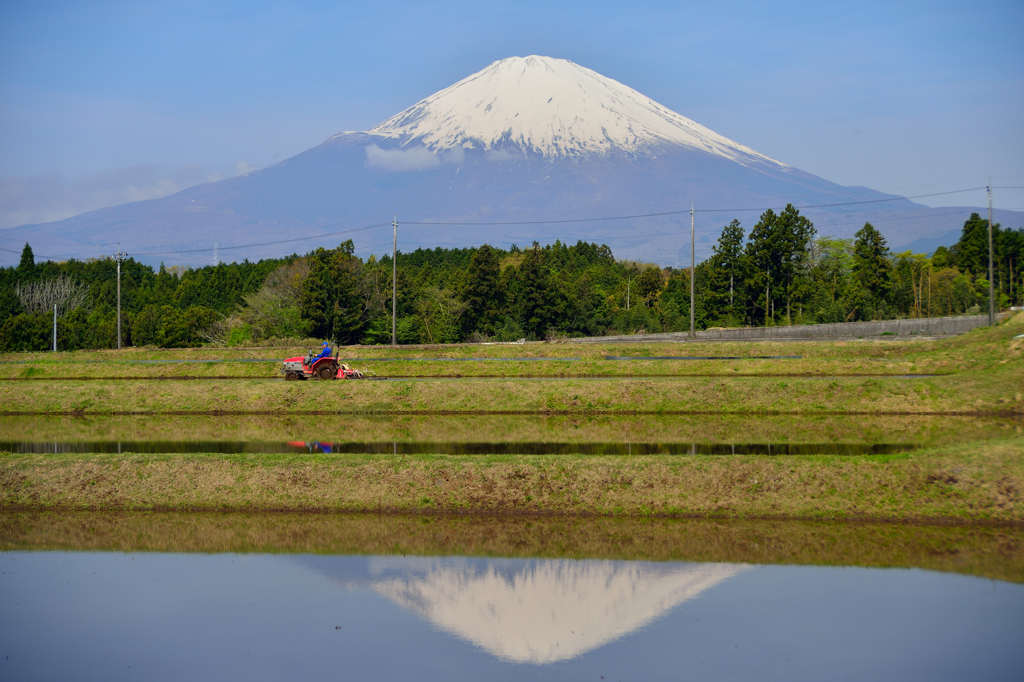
40	297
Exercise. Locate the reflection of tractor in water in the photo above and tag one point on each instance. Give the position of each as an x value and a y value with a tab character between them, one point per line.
326	448
314	367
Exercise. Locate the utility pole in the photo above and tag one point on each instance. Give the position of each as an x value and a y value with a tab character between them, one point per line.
991	283
693	266
394	284
119	257
629	280
54	327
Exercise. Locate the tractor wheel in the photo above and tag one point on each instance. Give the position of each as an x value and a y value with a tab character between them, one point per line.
326	373
291	376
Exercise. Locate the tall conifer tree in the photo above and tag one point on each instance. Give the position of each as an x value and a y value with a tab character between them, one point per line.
482	292
871	264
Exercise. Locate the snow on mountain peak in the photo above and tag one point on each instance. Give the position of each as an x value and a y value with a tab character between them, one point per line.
552	107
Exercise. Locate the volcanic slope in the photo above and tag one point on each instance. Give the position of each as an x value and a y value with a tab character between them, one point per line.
524	140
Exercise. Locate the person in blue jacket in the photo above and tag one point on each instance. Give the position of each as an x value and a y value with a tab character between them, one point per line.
324	353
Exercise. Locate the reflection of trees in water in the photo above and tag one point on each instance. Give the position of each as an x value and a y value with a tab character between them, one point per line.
547	611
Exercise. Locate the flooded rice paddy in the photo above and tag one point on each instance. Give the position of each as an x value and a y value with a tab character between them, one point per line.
495	377
154	596
498	434
204	596
454	448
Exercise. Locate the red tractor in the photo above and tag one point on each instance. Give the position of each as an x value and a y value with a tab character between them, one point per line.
322	368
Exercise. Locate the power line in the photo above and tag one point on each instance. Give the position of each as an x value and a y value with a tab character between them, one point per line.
542	222
849	203
931	184
668	213
550	222
278	230
34	254
280	241
703	231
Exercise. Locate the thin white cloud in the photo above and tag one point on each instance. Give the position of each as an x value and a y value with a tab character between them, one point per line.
54	196
244	168
401	160
456	155
501	155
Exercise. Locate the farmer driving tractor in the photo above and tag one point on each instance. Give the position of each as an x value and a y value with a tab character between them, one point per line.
325	352
322	366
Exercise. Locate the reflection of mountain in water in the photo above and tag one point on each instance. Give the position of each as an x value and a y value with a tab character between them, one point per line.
543	611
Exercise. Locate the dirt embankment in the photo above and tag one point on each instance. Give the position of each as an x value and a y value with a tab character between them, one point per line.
995	552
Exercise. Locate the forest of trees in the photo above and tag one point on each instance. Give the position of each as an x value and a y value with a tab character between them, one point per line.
779	273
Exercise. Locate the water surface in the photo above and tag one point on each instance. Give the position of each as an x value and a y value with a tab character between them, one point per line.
153	616
499	434
153	596
455	448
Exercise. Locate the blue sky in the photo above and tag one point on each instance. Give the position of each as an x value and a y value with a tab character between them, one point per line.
105	102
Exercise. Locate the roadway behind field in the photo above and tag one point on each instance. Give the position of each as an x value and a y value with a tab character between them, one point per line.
929	328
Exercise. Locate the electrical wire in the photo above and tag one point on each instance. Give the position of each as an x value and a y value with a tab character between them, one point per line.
246	246
685	211
547	222
699	231
277	230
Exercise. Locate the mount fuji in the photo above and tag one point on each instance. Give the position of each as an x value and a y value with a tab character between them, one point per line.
530	148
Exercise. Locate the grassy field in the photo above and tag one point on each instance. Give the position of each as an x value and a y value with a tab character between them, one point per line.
971	470
982	372
926	430
993	552
979	349
968	483
998	390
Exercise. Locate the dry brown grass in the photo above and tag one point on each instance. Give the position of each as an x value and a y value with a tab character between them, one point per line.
987	551
986	376
967	482
979	349
988	392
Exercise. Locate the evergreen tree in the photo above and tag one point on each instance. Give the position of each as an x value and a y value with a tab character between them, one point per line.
482	292
537	301
970	253
871	264
764	261
27	266
331	298
797	233
727	273
778	253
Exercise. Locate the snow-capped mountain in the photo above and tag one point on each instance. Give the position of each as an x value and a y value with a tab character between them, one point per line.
554	108
530	148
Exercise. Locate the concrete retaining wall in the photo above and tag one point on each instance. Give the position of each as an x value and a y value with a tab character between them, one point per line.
931	326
